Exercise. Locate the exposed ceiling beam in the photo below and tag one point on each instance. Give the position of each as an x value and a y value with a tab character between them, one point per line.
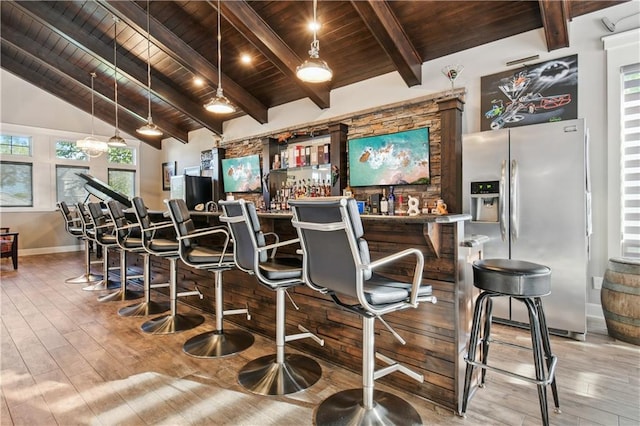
251	25
127	67
126	124
384	26
182	53
67	70
555	20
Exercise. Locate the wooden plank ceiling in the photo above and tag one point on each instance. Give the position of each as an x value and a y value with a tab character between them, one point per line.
55	45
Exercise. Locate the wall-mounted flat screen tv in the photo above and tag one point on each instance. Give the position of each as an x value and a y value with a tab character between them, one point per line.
395	159
242	174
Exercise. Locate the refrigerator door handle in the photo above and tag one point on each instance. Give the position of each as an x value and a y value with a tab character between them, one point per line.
513	202
502	211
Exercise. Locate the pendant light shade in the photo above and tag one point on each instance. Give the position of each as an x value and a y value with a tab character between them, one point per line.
314	69
149	129
116	140
220	104
90	145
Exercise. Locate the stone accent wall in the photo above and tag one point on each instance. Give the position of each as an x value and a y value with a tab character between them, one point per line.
385	120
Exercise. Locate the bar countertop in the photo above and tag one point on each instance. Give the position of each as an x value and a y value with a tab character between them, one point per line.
421	218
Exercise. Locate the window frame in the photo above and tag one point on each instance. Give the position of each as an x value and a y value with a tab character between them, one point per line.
124	169
22	163
68	166
621	49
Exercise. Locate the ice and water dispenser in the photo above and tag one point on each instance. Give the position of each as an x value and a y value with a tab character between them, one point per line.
485	198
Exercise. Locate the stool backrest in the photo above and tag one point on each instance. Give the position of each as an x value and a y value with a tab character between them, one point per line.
66	214
182	222
85	219
330	232
244	225
99	220
119	220
143	215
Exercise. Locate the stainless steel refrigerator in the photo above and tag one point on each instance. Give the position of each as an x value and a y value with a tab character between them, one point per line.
527	189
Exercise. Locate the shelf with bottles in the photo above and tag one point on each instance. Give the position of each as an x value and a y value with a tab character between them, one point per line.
314	152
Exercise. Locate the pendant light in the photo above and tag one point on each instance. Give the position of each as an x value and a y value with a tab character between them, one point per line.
149	129
314	69
116	140
90	145
220	104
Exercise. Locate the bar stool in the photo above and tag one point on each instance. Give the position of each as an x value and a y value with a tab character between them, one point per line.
526	282
74	227
168	249
88	228
105	236
129	242
279	373
337	262
219	342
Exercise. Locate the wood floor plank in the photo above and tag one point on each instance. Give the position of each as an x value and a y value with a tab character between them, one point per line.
67	359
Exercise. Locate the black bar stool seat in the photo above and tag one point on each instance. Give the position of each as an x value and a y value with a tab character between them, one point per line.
526	282
512	277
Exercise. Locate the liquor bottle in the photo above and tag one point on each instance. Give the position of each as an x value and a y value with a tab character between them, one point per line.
384	204
391	200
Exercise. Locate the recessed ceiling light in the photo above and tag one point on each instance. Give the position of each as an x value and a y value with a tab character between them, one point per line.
198	81
245	58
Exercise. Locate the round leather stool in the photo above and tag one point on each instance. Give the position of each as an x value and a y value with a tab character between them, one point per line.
526	282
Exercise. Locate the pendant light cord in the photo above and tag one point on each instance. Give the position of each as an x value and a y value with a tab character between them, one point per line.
93	75
315	22
115	65
149	59
219	50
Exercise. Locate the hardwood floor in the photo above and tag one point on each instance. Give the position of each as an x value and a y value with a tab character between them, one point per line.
69	360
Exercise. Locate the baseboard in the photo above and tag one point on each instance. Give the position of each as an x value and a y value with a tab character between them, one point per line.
49	250
594	310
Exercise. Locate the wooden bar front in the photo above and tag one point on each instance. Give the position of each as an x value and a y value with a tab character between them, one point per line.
435	334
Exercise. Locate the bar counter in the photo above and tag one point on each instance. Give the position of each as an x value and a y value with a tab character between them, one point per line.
435	335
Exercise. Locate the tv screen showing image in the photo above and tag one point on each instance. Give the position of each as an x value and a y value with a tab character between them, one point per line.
242	174
395	159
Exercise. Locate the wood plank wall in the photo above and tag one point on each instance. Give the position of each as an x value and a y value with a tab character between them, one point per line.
430	330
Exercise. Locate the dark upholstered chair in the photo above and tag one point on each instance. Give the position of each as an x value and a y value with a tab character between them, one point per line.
9	245
167	247
279	373
106	236
216	257
74	227
130	241
336	261
525	282
88	229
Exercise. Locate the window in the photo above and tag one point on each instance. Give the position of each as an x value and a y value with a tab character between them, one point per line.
16	184
69	186
15	145
630	161
123	181
69	151
121	156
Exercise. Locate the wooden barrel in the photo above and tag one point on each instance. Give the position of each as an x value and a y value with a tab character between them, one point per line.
620	297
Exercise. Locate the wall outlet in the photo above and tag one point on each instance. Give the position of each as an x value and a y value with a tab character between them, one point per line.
597	283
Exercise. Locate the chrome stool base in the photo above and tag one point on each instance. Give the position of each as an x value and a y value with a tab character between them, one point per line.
346	408
103	286
168	324
265	376
144	309
84	279
216	344
120	295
